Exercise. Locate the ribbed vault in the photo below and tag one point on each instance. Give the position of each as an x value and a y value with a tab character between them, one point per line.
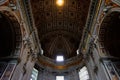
60	28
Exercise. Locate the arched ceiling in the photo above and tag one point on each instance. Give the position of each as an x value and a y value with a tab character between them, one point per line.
10	32
60	28
7	42
109	33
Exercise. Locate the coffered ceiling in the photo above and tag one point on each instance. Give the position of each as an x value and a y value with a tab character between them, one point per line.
60	28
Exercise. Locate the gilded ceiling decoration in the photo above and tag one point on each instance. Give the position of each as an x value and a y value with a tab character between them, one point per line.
60	28
66	66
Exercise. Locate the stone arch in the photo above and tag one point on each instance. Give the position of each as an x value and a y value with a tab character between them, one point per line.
11	33
109	33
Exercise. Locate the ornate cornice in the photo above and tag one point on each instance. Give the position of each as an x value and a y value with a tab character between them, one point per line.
26	9
52	65
94	7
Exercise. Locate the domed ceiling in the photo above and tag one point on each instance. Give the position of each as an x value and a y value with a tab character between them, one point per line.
60	28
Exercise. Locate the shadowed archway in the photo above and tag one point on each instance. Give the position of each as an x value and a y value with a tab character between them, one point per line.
110	34
10	34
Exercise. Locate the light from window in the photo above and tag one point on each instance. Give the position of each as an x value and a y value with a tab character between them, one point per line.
42	51
59	59
77	52
83	74
34	74
59	77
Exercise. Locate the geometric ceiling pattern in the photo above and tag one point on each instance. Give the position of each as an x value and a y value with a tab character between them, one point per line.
60	28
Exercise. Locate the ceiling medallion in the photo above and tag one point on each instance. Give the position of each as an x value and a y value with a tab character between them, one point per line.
60	2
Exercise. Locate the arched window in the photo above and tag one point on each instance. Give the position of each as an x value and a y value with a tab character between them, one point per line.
83	74
59	77
34	74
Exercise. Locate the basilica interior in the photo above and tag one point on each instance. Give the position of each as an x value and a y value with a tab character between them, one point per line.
59	39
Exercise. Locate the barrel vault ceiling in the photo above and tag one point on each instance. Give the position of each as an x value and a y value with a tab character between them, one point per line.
60	28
